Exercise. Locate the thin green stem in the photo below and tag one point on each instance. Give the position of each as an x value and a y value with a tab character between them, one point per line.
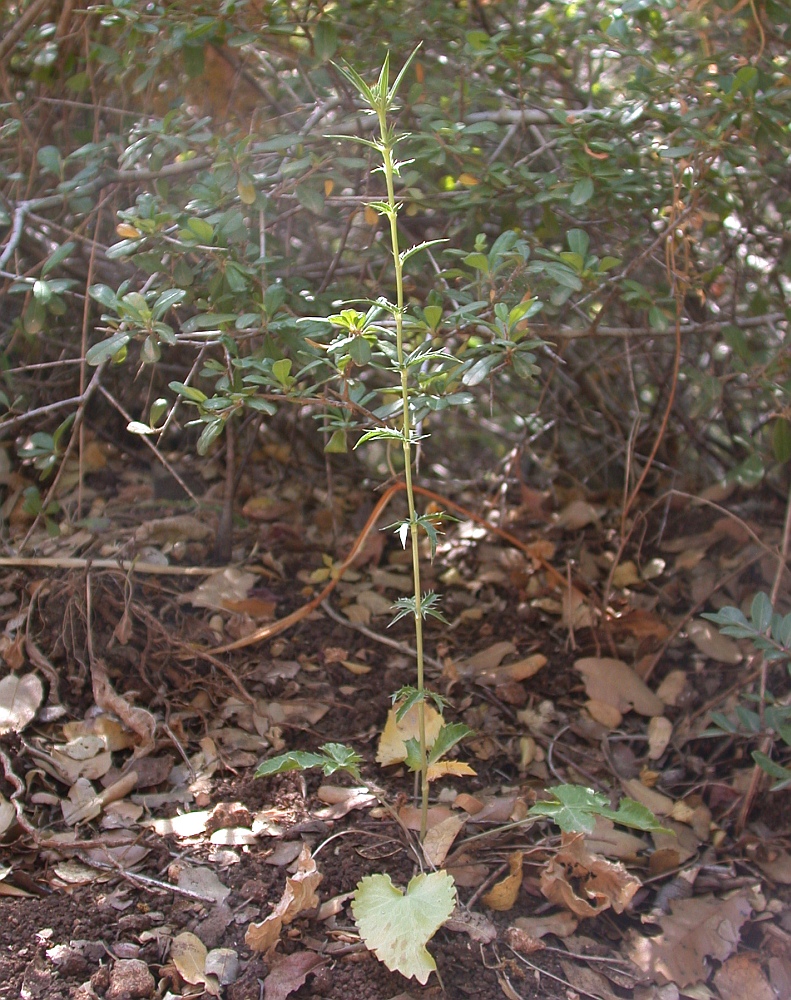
389	172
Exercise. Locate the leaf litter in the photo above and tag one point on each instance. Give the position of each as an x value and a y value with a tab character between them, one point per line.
542	721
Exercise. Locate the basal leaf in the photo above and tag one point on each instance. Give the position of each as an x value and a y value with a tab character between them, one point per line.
397	926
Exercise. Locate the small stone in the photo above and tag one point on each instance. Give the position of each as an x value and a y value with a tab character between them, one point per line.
212	930
100	980
130	980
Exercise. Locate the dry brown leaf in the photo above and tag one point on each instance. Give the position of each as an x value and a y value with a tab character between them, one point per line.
7	817
615	683
169	530
585	883
12	650
625	575
695	929
562	923
20	697
187	825
392	743
587	981
229	585
267	508
521	670
469	803
499	809
254	607
440	768
712	644
486	659
439	839
203	882
108	728
612	842
671	687
606	715
357	614
188	955
466	872
376	603
776	864
642	624
575	613
352	798
477	926
293	712
410	816
660	730
578	514
659	804
356	668
290	973
740	977
522	942
503	894
299	894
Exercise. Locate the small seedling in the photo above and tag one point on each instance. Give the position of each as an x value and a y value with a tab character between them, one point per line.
771	635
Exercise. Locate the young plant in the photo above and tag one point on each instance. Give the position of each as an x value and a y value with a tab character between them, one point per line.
771	635
395	925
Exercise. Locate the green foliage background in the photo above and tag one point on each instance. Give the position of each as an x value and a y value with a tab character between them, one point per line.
612	180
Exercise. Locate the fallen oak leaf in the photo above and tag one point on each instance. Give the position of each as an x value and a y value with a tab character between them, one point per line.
290	973
615	683
695	929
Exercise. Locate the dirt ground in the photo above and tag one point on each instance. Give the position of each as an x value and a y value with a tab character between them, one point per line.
92	902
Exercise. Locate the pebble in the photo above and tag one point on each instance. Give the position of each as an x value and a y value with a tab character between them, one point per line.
130	980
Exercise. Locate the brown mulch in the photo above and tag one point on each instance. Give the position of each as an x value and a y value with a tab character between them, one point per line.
58	937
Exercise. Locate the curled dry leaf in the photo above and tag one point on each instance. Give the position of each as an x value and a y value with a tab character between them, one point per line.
522	942
20	697
442	767
477	926
503	894
615	683
584	883
439	839
299	894
7	817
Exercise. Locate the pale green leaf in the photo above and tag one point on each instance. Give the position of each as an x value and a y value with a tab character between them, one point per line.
397	926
